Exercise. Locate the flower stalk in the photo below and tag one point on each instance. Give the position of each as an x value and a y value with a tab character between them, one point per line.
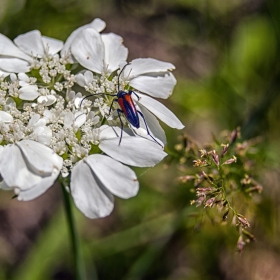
80	272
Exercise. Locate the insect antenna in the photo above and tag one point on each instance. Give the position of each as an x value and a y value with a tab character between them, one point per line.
119	76
87	96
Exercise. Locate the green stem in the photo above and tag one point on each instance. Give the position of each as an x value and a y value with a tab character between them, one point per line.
76	246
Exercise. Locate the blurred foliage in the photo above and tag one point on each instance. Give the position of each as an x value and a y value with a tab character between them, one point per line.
228	71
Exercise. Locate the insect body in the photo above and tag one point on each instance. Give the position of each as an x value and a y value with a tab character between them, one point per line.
128	108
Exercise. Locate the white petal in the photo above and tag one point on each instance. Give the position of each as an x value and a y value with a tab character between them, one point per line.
119	179
88	49
159	110
14	170
41	122
3	74
96	24
48	115
29	92
13	77
38	189
153	124
88	77
142	66
156	85
68	120
46	100
31	43
8	48
23	77
142	132
80	79
80	119
15	65
89	195
135	151
52	45
1	150
40	158
115	51
5	117
109	132
51	99
23	83
77	102
43	135
33	120
42	100
70	95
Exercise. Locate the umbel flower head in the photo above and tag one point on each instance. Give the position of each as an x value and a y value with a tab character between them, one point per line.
50	131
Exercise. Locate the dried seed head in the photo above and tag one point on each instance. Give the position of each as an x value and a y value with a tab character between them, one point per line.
256	188
246	180
225	149
209	202
215	158
186	178
231	160
240	244
243	221
200	163
203	153
234	135
249	235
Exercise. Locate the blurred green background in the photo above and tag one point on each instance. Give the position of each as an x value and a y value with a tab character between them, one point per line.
228	72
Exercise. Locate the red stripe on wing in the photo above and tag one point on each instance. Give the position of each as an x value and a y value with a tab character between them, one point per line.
121	103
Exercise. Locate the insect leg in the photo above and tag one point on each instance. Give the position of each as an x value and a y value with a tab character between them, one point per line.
118	111
131	91
111	106
148	132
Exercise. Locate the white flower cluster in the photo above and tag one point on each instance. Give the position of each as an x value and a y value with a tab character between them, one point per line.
49	129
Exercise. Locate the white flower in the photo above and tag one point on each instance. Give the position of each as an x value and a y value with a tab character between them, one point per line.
94	181
43	118
133	150
154	78
158	109
36	45
96	24
150	76
19	56
96	178
104	54
28	167
46	100
41	132
99	53
12	59
27	90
